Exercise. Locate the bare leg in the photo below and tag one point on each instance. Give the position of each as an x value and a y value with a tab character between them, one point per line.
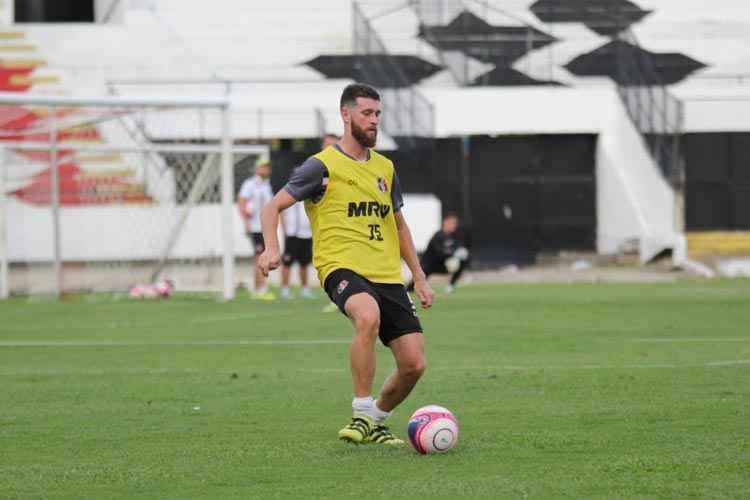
303	276
286	272
365	316
457	275
260	280
410	365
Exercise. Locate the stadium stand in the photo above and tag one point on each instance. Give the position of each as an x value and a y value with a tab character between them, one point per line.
489	73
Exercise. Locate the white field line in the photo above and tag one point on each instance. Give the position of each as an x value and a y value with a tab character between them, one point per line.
99	371
99	326
729	363
709	364
692	339
200	343
139	324
249	372
230	317
243	372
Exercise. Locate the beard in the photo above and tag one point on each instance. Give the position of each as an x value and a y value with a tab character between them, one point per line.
367	141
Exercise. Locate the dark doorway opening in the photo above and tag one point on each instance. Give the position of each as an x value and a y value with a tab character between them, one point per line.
54	11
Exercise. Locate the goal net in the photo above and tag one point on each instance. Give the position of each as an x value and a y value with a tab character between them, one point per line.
109	193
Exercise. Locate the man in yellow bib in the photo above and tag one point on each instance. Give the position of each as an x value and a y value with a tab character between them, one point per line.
353	199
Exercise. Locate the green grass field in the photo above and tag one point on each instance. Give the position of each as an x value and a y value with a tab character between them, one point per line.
562	391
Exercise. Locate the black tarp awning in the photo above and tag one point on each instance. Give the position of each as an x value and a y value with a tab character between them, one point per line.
381	70
639	66
480	40
605	17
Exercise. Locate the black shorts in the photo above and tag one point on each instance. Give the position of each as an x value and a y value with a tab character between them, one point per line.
398	315
259	245
297	250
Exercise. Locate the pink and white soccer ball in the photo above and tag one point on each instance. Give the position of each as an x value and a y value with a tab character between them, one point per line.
162	289
433	429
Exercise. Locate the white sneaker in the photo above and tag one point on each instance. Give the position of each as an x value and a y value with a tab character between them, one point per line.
449	289
306	293
285	293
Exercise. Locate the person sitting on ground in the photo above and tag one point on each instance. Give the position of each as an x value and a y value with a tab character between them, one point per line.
446	253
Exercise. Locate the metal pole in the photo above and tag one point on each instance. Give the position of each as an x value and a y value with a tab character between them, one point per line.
680	250
529	48
412	114
227	202
355	31
551	62
679	170
8	13
4	274
55	201
466	177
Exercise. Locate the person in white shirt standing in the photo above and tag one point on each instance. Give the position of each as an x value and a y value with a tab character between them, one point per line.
254	194
297	248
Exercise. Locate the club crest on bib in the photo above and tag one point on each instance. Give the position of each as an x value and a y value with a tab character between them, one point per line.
382	185
342	286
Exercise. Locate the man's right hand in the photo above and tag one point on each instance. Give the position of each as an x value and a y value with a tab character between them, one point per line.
268	261
424	292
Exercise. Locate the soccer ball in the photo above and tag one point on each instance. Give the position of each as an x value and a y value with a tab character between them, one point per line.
433	429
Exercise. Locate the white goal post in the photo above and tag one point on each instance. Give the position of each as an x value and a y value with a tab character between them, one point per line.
100	193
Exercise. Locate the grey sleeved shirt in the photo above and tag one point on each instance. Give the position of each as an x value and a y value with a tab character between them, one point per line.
310	180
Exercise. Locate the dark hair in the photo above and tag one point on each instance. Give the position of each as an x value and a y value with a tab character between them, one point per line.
354	90
448	215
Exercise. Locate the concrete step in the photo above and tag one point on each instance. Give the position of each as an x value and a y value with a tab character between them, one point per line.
98	157
11	35
705	243
21	47
21	80
22	63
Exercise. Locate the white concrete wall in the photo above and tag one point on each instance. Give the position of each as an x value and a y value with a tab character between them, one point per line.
115	9
117	232
634	201
525	110
712	109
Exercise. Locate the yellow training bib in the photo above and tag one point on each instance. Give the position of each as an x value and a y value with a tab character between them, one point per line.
353	224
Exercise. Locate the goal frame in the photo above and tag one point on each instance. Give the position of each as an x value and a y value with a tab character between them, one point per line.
227	149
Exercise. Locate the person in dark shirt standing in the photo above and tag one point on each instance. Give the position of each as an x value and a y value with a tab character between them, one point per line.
446	252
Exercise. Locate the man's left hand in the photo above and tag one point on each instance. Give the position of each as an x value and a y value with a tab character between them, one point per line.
424	292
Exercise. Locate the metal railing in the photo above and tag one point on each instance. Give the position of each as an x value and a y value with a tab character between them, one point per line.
407	114
465	43
656	113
